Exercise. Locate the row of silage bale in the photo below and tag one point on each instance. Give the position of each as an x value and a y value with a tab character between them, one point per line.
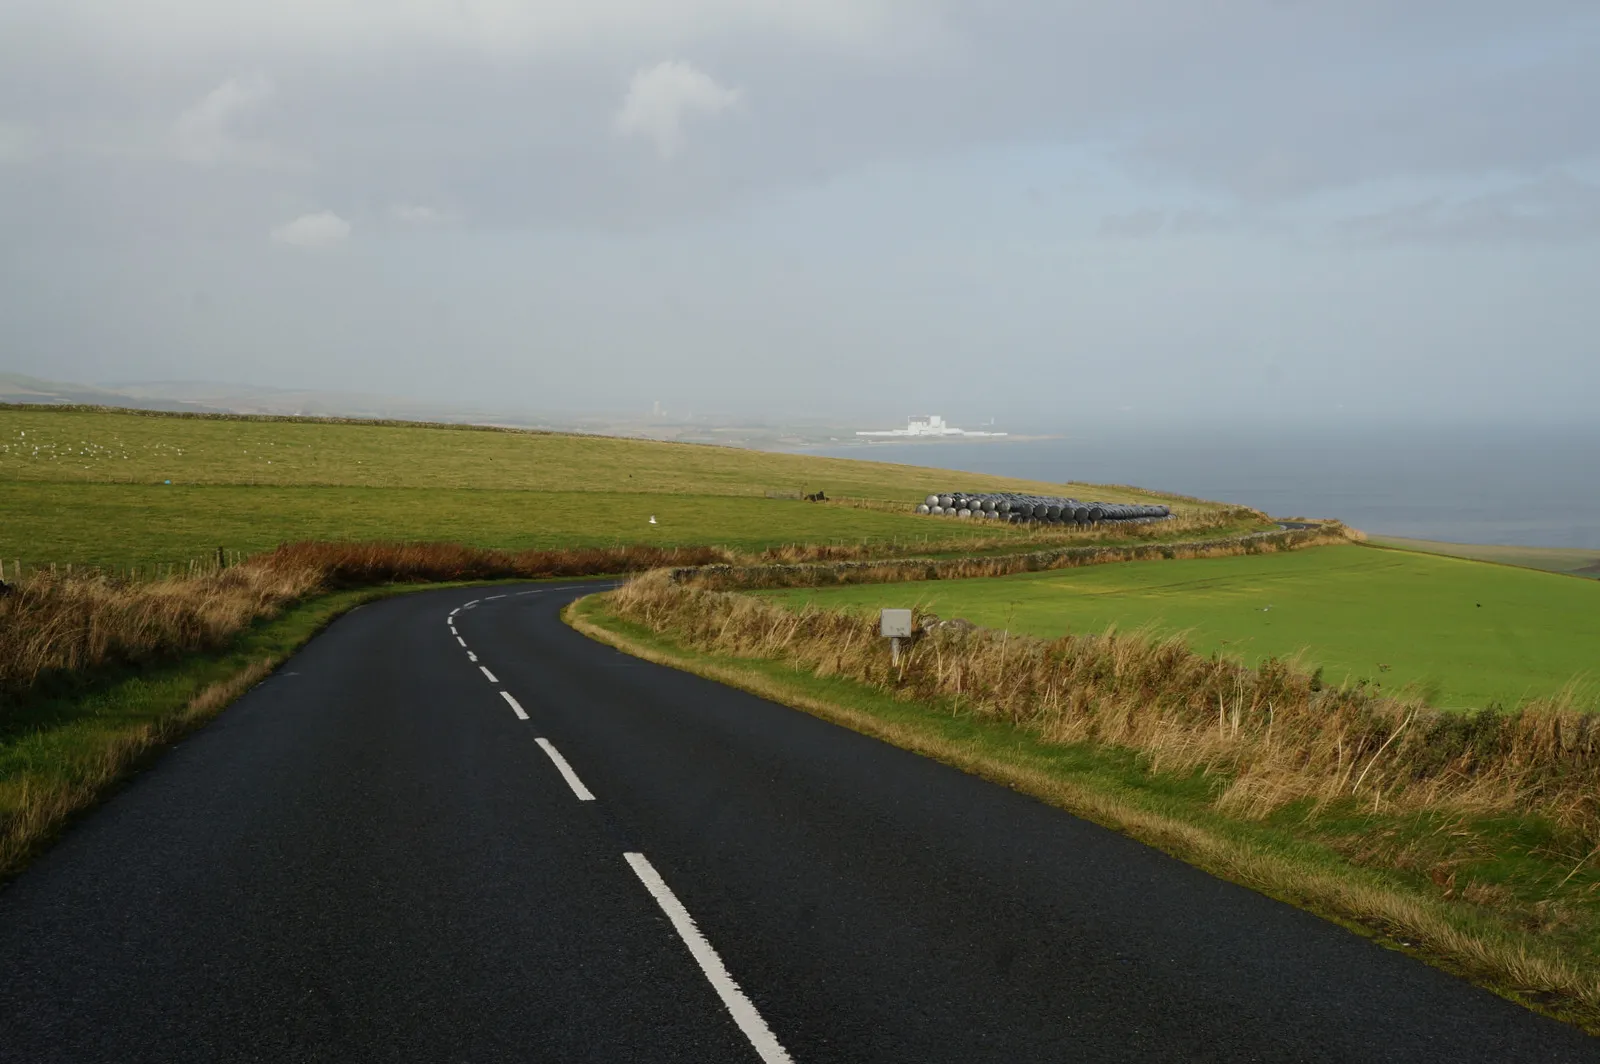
1016	508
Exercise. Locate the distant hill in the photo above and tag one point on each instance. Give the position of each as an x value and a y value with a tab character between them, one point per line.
17	388
211	397
1575	561
220	398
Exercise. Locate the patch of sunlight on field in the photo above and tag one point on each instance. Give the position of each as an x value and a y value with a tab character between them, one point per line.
1460	632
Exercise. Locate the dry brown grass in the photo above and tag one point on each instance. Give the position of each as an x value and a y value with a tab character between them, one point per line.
63	624
364	564
1018	539
823	566
1268	736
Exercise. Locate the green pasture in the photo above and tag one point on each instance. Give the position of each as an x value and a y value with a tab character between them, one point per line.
140	525
76	446
89	487
1459	632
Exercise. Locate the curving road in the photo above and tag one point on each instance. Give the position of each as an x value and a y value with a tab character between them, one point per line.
469	834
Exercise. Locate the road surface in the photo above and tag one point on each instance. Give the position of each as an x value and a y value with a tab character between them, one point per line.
465	833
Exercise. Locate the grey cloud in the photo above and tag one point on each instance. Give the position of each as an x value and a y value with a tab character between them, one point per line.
322	229
1183	221
510	109
1134	224
1555	208
853	218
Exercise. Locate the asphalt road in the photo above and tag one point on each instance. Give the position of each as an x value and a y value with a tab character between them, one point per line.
373	856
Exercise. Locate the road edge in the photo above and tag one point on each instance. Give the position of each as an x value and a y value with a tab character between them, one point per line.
49	807
1413	925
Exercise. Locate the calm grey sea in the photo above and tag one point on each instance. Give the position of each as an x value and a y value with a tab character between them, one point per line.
1537	487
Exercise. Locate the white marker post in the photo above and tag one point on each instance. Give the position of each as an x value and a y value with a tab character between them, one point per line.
894	625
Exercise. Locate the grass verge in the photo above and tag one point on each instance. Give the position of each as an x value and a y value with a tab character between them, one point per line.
1396	876
61	754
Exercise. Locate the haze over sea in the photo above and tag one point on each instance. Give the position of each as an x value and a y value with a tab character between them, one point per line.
1537	487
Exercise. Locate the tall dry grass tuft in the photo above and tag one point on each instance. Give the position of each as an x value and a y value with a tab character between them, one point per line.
65	624
1268	736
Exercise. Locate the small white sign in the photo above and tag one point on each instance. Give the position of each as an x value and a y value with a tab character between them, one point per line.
895	624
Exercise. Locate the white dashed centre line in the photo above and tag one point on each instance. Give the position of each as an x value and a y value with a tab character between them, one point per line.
487	674
471	656
744	1013
566	771
463	642
491	598
522	714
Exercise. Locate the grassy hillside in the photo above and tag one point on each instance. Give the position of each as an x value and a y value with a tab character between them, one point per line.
135	447
1462	632
89	487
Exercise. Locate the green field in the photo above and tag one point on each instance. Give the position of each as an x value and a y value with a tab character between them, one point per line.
1460	632
88	487
136	525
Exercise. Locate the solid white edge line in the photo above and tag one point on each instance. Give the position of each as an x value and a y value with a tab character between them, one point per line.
744	1013
487	674
522	714
566	771
463	642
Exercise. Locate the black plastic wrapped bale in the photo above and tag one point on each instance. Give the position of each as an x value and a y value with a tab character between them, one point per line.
1018	508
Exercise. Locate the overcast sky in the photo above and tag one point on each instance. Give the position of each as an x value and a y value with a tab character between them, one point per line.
1033	210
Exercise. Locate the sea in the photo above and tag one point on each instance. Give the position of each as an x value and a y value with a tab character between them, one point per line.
1535	486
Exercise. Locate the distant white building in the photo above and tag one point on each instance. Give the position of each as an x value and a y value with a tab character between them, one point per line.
932	425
